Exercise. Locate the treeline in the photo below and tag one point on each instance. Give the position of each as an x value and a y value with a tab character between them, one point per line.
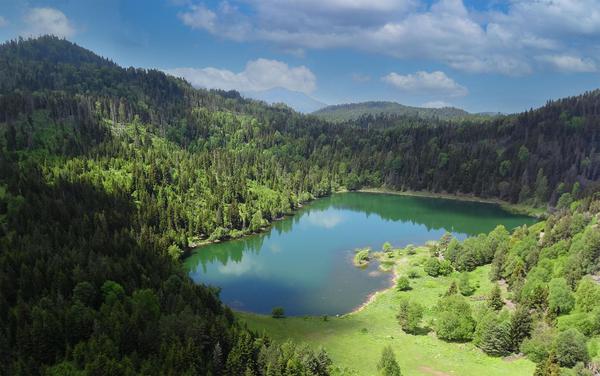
87	284
95	209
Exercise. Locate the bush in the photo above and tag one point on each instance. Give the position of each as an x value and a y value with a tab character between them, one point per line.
571	348
445	267
278	313
361	258
464	285
453	319
412	274
387	247
409	315
432	267
538	346
403	284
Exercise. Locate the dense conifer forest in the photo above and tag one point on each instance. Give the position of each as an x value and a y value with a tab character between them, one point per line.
108	175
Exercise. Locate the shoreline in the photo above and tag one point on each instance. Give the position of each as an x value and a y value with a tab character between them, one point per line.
375	294
370	298
510	207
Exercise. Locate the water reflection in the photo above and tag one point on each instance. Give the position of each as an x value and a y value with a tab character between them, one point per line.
304	263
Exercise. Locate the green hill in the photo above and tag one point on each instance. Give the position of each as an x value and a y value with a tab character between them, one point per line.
354	111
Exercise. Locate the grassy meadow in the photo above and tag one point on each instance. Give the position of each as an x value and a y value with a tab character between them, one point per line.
355	340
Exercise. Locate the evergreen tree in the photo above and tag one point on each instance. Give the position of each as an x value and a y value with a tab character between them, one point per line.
520	327
494	300
409	315
548	367
387	365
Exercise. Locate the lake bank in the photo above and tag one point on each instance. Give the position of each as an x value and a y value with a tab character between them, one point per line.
355	340
520	209
277	268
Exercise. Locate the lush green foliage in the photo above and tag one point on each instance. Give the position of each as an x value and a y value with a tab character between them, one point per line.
403	284
409	315
361	257
454	321
366	110
109	175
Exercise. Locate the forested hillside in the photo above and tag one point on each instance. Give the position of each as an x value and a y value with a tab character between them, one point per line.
108	174
355	111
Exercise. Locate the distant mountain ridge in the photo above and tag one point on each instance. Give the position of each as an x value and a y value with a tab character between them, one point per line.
298	101
353	111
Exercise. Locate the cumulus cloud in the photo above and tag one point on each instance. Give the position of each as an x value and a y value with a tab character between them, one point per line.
199	17
258	75
507	41
3	22
567	63
48	21
437	83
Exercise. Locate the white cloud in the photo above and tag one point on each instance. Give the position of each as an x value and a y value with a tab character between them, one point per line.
3	22
424	82
199	17
567	63
48	21
258	75
445	31
436	104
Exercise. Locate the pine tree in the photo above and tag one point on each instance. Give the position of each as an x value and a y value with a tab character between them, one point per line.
387	365
520	327
548	367
495	301
496	339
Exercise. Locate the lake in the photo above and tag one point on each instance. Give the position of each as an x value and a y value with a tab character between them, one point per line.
304	262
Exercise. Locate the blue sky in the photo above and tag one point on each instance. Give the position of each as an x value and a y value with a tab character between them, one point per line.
483	55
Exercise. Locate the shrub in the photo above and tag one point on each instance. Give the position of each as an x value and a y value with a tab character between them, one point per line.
278	313
571	348
464	285
453	319
387	247
413	273
361	258
445	267
538	346
409	315
432	267
403	284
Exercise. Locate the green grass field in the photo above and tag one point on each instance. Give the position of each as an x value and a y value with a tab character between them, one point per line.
355	341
